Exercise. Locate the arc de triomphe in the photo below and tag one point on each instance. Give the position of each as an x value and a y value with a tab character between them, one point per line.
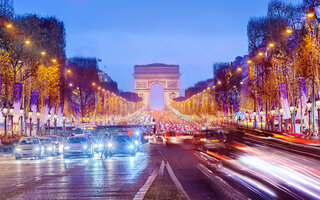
166	75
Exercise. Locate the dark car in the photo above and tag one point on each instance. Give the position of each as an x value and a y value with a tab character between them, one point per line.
119	144
210	140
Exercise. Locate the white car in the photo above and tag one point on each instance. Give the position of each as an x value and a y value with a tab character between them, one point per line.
49	147
78	146
29	147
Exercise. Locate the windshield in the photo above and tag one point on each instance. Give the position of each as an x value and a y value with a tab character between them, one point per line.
29	141
77	140
46	141
122	138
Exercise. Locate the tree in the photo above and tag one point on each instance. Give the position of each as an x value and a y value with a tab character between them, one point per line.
82	80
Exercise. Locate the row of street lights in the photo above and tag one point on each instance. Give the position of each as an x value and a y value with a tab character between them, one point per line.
9	113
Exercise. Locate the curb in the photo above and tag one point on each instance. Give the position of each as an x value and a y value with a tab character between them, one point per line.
6	158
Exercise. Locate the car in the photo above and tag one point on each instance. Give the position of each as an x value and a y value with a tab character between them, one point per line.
119	144
210	140
78	146
49	147
57	143
170	138
29	147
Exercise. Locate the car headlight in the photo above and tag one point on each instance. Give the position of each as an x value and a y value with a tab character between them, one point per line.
49	149
110	145
95	145
131	146
85	146
18	149
100	145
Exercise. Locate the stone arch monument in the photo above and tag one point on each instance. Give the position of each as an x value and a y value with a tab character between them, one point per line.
166	75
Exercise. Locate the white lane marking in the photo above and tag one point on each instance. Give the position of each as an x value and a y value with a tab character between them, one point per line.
19	185
143	190
161	170
176	181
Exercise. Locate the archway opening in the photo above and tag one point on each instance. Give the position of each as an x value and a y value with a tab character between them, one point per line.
157	97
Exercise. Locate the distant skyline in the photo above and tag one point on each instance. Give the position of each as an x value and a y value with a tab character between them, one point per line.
191	34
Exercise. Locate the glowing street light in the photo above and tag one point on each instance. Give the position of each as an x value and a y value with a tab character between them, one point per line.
68	70
289	30
70	84
249	61
239	69
260	54
93	84
27	42
54	60
9	26
43	53
219	82
310	15
271	45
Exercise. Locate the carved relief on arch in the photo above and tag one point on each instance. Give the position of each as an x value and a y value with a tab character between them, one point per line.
141	85
172	84
150	83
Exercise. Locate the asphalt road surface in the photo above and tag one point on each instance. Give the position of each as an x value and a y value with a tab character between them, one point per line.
158	172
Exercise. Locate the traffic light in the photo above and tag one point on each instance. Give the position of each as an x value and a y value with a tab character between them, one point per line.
154	126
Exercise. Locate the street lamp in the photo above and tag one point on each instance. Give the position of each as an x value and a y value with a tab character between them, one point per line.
30	121
292	111
5	113
273	113
87	119
318	109
281	114
261	116
21	121
38	123
11	116
83	119
309	106
55	124
49	119
254	114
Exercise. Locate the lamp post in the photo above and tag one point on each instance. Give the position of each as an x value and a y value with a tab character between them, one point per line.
11	116
261	116
309	106
255	119
292	111
64	124
273	112
21	121
318	109
55	124
281	115
5	113
247	117
49	119
38	124
30	121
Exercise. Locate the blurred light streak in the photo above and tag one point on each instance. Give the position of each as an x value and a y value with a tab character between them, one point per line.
297	180
251	182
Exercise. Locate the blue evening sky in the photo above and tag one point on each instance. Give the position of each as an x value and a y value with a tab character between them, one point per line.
191	33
